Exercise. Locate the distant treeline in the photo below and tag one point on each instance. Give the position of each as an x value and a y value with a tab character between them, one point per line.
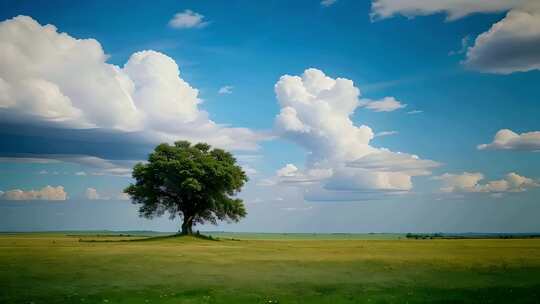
430	236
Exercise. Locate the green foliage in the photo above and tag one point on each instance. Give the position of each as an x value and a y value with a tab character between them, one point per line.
195	182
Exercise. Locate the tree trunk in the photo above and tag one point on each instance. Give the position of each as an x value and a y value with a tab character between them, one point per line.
187	225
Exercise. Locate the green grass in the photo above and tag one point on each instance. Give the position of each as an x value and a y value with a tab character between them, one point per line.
55	268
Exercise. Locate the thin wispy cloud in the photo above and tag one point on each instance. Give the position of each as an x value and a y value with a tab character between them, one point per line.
98	165
387	104
28	160
225	90
464	45
386	133
93	194
327	3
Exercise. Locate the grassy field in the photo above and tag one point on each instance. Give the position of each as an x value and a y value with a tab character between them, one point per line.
58	268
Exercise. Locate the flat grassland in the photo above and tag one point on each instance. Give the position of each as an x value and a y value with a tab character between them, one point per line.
59	268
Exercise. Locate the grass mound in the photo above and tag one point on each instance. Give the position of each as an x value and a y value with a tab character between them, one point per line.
122	238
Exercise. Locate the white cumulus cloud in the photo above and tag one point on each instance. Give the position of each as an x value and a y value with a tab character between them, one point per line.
510	45
454	9
92	194
287	171
315	114
509	140
470	183
146	95
187	19
47	193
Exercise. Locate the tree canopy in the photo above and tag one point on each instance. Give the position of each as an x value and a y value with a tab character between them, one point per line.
196	182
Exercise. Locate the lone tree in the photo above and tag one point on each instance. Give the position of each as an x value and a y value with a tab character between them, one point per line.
195	182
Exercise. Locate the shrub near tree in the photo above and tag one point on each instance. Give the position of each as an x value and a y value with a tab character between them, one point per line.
195	182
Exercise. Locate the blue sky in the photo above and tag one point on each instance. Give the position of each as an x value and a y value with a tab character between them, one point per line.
439	79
